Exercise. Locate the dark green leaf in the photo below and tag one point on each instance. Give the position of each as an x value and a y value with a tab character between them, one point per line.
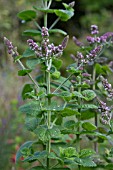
37	168
31	123
77	94
70	124
85	162
89	126
32	62
31	108
55	132
27	144
69	112
88	95
87	114
27	15
24	72
31	32
27	89
28	53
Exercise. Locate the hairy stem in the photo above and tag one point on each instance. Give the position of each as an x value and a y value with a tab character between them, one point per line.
96	117
54	23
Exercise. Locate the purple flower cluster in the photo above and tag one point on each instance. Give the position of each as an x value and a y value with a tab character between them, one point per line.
93	53
9	45
44	32
106	36
105	113
46	49
93	40
94	29
77	42
107	87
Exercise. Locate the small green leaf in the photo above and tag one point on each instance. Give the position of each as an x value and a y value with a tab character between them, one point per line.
32	63
77	94
69	112
19	154
57	63
27	15
57	31
27	89
68	152
89	126
70	124
55	75
64	15
86	153
31	123
24	72
44	10
31	32
88	95
28	53
85	162
88	106
55	132
43	133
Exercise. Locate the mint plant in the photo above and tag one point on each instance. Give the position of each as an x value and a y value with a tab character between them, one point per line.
61	111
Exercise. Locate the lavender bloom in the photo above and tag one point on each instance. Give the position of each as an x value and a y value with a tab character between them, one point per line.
45	32
72	4
105	36
105	113
32	44
93	53
94	29
77	42
107	87
90	39
9	45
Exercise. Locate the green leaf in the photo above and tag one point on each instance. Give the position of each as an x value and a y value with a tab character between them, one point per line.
68	152
32	63
31	123
31	108
88	95
69	112
88	106
102	70
55	75
36	156
43	133
85	162
57	31
27	15
57	63
52	155
19	154
64	15
77	94
70	124
31	32
27	89
28	53
65	95
44	10
86	153
24	72
89	126
87	114
55	132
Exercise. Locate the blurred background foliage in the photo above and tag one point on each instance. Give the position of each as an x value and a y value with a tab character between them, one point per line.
87	12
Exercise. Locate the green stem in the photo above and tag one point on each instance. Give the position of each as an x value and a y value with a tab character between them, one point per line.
38	26
45	16
49	3
54	23
96	117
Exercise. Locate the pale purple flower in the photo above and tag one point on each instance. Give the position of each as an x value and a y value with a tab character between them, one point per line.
44	32
94	29
77	42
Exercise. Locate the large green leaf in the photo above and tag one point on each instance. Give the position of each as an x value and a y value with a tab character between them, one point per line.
27	144
77	94
88	95
31	108
27	15
57	63
55	132
24	72
89	126
32	62
87	114
31	32
28	53
85	162
64	15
